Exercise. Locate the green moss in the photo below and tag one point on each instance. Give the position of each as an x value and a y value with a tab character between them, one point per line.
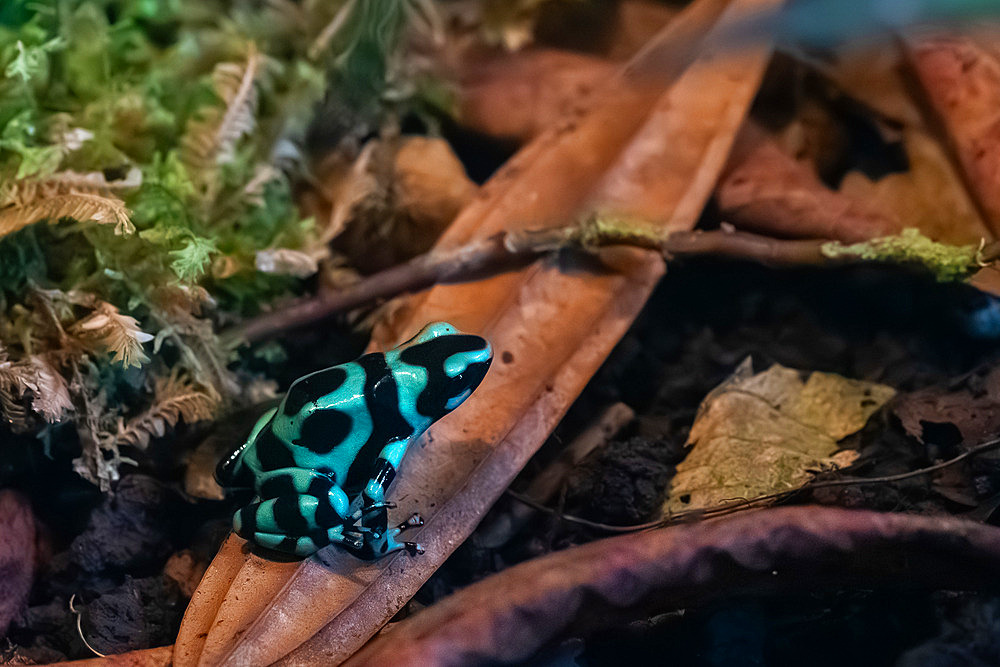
601	230
947	262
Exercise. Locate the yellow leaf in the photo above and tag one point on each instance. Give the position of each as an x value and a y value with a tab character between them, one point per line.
760	434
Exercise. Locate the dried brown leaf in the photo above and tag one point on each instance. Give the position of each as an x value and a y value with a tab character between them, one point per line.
766	190
649	147
970	407
755	435
929	195
960	78
522	95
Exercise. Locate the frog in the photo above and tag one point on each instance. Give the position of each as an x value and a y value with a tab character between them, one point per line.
321	461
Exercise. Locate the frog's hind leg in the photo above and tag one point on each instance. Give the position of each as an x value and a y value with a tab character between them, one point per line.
231	471
306	545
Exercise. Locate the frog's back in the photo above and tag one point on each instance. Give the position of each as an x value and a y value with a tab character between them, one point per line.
334	421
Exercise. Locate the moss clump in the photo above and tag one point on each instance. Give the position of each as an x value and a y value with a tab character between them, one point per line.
948	263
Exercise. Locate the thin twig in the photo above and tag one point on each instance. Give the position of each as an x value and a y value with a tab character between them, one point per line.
79	627
508	250
744	503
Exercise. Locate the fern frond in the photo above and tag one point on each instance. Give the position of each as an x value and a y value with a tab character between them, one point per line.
14	380
210	139
81	206
176	398
109	329
51	393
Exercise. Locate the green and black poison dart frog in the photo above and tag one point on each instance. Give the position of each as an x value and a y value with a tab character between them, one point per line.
322	460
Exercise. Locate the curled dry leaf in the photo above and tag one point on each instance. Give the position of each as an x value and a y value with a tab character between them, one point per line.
609	582
393	201
929	195
521	95
766	190
760	434
430	185
960	78
186	570
967	411
651	146
17	555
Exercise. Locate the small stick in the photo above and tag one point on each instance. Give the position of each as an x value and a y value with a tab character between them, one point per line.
508	250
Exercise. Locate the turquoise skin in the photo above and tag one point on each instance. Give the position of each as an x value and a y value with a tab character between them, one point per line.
322	460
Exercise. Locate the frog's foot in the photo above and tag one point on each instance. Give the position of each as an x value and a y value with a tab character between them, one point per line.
367	509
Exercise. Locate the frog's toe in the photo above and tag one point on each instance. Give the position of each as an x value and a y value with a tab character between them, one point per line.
352	539
414	521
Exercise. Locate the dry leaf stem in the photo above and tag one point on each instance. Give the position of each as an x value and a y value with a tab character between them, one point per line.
508	250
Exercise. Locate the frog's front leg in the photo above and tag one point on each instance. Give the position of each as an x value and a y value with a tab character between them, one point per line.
373	516
384	472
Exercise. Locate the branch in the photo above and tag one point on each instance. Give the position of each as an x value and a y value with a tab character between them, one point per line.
508	250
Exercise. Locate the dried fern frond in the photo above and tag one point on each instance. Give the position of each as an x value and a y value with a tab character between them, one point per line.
81	206
108	329
15	379
47	387
175	398
84	197
51	393
210	138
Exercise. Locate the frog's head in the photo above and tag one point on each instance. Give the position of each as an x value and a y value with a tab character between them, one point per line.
456	363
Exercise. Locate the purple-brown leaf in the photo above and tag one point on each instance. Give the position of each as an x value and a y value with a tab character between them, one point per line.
506	618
